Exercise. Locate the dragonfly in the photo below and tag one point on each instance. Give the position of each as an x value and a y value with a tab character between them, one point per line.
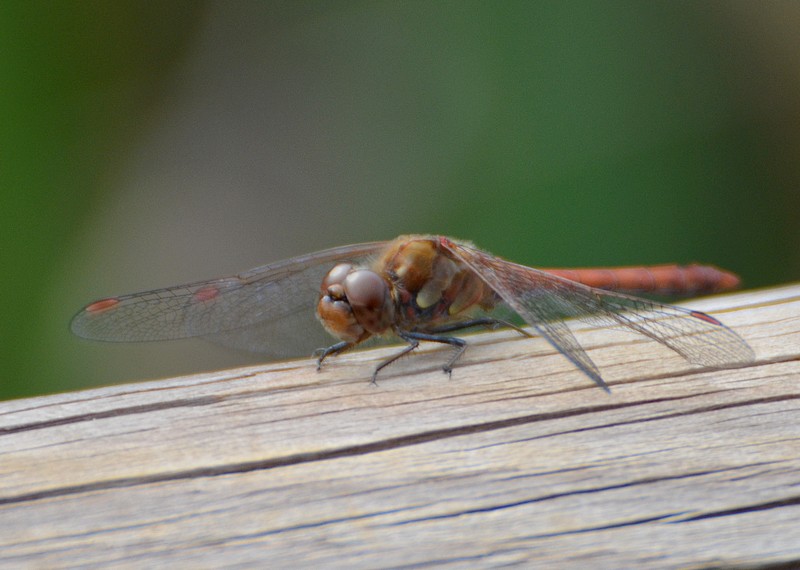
420	288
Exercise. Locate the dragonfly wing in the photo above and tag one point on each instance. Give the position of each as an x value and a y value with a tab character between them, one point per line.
557	333
537	302
269	309
542	299
288	335
698	337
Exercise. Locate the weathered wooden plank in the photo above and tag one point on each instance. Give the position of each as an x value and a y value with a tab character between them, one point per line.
518	458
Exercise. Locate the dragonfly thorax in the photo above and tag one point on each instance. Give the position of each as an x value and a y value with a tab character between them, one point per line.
430	286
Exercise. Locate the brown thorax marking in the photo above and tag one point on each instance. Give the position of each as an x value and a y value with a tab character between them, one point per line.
428	284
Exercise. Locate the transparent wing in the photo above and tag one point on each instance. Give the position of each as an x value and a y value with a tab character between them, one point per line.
544	301
269	309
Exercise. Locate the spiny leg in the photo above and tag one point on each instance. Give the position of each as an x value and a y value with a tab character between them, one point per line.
333	350
479	322
432	335
412	344
459	343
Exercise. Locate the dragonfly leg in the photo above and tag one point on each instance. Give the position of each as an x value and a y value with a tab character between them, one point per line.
413	338
488	322
412	344
333	350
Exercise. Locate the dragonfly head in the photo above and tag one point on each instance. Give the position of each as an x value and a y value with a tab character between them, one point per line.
354	303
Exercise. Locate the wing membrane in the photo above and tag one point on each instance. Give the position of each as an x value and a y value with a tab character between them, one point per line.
269	309
544	300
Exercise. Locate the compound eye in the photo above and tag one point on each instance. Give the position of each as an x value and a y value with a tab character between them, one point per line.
369	298
335	276
365	289
336	292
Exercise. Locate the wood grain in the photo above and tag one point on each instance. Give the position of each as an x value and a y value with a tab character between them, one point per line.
517	459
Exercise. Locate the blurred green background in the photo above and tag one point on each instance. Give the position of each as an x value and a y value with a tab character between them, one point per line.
147	144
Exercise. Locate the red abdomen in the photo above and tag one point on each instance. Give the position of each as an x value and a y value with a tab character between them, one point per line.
675	280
